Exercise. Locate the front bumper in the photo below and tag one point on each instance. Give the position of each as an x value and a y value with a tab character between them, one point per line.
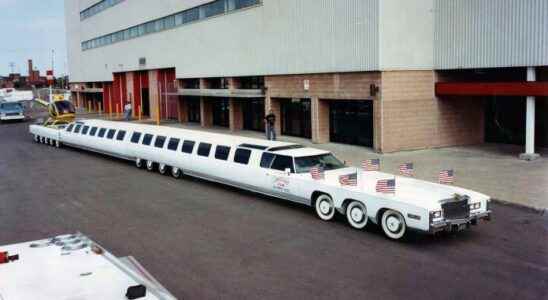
459	224
8	118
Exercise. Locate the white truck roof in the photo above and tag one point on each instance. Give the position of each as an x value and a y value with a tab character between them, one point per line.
67	267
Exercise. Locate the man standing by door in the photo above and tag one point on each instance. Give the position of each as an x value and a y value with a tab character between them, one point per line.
127	111
270	126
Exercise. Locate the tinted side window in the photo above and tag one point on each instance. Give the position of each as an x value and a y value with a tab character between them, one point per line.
160	141
136	137
77	129
110	134
93	131
204	149
102	132
69	128
266	160
188	146
173	144
147	139
242	156
221	152
121	134
85	130
282	162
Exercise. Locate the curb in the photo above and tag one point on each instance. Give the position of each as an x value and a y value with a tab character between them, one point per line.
541	211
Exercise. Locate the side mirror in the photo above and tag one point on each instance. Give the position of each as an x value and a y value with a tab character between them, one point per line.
287	171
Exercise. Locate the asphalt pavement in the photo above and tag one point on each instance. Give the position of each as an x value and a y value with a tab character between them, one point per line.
207	241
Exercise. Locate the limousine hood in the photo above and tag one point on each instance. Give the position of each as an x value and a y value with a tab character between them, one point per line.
409	190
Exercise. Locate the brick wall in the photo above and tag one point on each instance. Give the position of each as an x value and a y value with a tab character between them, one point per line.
413	118
236	118
322	88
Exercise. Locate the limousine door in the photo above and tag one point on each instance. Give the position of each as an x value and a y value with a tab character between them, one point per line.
278	179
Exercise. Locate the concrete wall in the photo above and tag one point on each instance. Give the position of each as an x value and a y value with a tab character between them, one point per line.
277	37
491	33
406	33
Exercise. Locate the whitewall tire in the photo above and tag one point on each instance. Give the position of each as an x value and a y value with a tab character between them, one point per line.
356	214
162	168
139	163
176	172
393	224
150	165
325	208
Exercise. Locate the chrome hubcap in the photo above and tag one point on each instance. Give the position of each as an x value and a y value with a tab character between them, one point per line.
356	214
325	207
393	223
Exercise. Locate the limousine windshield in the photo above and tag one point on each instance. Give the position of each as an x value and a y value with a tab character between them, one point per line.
325	161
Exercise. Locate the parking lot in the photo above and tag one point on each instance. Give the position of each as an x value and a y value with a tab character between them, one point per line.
206	241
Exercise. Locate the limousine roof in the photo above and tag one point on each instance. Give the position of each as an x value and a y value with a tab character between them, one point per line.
195	135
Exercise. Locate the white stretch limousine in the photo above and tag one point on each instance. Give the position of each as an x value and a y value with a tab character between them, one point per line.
281	170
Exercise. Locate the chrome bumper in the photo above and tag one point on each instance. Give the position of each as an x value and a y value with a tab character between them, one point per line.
9	118
459	224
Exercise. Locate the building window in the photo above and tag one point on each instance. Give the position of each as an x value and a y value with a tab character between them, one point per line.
222	152
242	156
205	11
188	146
204	149
97	8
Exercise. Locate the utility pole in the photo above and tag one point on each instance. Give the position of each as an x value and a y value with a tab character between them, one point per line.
12	67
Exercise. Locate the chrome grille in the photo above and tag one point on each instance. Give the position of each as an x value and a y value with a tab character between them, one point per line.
12	114
456	209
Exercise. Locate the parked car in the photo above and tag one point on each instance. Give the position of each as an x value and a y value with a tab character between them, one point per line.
11	111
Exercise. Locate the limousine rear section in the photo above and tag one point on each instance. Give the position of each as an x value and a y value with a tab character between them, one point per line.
281	170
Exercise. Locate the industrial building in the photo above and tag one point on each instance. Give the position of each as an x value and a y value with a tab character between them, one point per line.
387	74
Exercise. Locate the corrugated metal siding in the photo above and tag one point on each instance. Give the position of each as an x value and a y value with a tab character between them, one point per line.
278	37
490	33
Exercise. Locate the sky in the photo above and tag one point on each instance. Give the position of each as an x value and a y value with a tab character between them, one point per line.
31	29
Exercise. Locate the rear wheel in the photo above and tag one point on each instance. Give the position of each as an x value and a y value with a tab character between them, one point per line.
176	172
162	168
325	208
393	224
356	214
150	165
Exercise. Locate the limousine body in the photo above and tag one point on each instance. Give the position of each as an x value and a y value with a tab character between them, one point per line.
281	170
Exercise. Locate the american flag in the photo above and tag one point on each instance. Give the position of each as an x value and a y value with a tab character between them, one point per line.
407	169
317	173
387	186
349	179
371	164
447	177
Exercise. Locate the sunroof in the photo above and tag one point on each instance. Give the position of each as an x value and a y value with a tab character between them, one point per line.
282	148
252	146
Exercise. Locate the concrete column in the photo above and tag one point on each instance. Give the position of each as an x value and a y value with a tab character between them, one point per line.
236	116
206	113
530	122
320	120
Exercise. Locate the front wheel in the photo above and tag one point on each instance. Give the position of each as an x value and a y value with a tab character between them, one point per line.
393	224
325	208
356	214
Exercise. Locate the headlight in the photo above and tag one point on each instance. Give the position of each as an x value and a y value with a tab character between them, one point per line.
435	214
475	206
